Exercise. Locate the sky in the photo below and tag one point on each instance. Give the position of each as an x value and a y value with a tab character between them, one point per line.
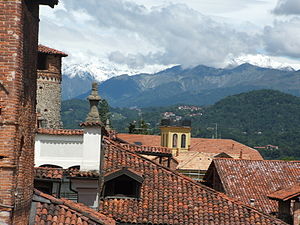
141	33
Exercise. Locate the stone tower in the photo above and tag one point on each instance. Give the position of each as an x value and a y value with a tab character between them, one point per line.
18	74
49	87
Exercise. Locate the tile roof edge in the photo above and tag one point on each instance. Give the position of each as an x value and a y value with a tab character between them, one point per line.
202	186
48	131
85	213
291	194
251	160
51	51
67	203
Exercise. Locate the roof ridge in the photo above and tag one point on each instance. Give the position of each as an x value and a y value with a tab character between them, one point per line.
197	184
251	160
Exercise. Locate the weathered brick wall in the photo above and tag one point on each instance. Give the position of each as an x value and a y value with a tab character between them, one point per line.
49	92
18	46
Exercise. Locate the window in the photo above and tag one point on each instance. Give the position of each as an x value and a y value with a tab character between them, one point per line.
183	141
174	141
166	140
122	184
42	62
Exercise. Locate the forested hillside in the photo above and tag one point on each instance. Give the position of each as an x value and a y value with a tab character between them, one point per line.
255	118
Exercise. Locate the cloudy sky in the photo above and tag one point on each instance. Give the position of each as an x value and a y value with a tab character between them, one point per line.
138	33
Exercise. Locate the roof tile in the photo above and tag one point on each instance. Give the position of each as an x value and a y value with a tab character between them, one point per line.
255	179
171	198
205	145
286	193
66	212
51	51
60	131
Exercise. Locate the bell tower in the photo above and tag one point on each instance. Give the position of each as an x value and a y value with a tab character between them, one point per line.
176	135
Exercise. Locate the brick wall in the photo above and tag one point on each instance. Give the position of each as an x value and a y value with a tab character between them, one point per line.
49	93
18	46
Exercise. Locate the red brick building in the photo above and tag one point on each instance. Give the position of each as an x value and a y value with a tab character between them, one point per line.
18	69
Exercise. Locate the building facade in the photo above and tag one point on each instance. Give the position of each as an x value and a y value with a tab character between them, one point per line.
49	87
19	41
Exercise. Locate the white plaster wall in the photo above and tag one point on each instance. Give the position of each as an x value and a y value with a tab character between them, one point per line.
91	148
60	150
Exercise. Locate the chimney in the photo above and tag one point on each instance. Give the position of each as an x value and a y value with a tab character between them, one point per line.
92	136
252	202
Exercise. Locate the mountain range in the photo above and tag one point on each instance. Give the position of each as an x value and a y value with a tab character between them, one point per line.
200	85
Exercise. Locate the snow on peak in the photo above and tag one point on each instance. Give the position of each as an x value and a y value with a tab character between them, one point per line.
102	70
263	61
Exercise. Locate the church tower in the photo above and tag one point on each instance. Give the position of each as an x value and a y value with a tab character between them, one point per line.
49	87
176	135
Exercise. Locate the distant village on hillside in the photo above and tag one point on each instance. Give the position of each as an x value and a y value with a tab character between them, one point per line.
95	175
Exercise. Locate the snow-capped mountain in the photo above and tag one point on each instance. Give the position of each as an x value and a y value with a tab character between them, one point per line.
103	70
263	61
77	78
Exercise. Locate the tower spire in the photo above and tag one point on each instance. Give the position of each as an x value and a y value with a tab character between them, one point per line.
93	116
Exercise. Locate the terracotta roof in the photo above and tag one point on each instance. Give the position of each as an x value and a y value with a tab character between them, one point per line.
51	51
52	211
199	145
57	173
170	198
80	174
148	140
88	124
143	149
60	131
224	145
48	173
286	193
194	160
255	179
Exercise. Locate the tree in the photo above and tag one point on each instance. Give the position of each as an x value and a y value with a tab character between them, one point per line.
140	127
103	110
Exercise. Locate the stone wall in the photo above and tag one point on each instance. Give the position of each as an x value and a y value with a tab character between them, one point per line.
49	100
19	39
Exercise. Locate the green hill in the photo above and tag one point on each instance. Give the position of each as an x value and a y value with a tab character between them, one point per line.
255	118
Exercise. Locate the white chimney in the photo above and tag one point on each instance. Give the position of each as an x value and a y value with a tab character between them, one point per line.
92	136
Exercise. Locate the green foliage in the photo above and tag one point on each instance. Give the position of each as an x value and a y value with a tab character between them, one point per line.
139	127
255	118
103	111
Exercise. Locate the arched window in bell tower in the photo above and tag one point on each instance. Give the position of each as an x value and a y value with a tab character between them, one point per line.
183	141
174	141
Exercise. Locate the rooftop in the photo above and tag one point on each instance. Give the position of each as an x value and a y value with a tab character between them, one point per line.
152	150
50	210
176	200
60	131
256	179
51	51
286	193
205	145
